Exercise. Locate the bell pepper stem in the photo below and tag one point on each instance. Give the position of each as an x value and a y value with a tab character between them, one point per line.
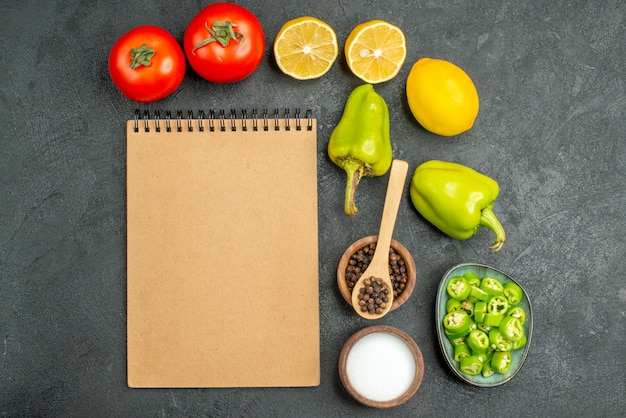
489	219
355	171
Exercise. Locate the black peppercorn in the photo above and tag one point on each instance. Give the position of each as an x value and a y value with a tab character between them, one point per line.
359	261
373	296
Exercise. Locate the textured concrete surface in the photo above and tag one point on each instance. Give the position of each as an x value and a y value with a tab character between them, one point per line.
550	130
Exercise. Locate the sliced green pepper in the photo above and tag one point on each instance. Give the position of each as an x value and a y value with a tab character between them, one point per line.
511	328
517	312
497	305
471	365
456	336
487	370
513	293
458	288
457	340
453	305
480	309
521	343
491	286
486	356
468	307
457	323
501	361
472	278
478	293
461	351
484	327
478	341
493	319
498	341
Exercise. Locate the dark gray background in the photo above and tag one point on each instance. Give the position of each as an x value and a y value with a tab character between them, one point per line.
550	130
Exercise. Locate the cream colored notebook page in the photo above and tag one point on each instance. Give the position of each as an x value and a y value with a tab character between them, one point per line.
223	287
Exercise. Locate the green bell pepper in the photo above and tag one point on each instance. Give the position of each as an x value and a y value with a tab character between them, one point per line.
360	143
456	199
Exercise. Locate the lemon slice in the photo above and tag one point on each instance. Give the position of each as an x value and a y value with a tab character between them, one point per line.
305	48
375	51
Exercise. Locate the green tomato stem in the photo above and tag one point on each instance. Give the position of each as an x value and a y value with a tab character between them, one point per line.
222	32
141	56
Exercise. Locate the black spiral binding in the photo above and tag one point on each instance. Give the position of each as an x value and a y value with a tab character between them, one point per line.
220	121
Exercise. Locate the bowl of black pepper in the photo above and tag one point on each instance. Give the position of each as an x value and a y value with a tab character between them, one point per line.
357	257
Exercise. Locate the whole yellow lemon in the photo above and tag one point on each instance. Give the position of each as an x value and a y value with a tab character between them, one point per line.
442	97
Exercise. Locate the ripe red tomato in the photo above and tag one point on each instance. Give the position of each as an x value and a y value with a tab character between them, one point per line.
147	64
224	43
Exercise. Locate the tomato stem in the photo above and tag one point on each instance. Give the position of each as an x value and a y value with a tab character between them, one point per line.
141	56
221	31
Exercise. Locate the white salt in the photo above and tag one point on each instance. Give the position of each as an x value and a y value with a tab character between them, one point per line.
380	366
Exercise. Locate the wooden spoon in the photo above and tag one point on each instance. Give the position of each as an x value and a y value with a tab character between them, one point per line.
379	266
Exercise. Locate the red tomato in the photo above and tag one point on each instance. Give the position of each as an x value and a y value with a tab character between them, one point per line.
224	43
147	64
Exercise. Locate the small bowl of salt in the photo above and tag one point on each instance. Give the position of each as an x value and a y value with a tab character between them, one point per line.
399	366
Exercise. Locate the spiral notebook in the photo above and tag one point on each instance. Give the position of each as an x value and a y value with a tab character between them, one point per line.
222	250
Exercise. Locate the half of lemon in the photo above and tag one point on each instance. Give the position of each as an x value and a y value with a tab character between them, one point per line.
375	51
305	48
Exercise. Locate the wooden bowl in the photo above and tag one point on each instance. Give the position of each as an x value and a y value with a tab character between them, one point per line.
398	248
396	355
